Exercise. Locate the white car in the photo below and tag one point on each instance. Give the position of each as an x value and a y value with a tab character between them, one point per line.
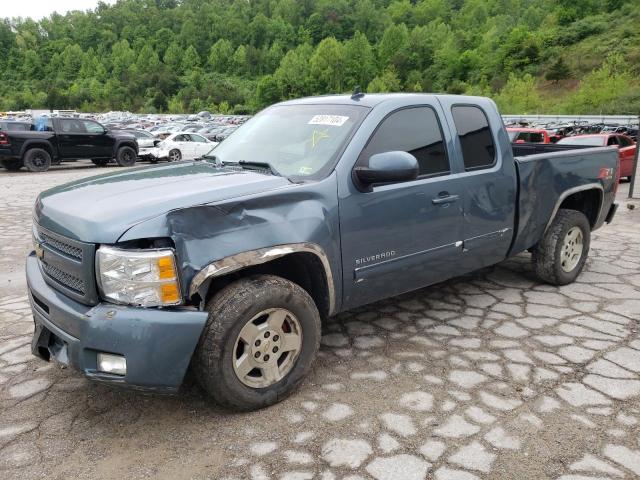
178	146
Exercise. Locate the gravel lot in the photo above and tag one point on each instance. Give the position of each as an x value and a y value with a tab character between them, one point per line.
493	375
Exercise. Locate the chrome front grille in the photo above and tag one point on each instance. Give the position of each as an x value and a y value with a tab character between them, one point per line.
66	279
67	264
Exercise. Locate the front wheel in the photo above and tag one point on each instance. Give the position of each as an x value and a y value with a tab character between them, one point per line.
561	254
175	155
260	341
126	157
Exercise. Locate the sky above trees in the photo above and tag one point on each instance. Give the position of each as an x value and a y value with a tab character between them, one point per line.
38	9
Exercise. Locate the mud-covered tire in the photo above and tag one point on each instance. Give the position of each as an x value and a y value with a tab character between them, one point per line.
230	311
126	157
100	162
13	165
37	160
548	257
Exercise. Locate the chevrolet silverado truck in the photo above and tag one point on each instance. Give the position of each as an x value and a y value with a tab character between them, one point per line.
228	265
53	140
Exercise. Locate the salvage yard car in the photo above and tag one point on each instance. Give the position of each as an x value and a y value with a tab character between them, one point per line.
625	145
178	146
315	206
54	140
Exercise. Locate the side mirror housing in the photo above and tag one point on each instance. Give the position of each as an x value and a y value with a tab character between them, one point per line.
387	167
156	142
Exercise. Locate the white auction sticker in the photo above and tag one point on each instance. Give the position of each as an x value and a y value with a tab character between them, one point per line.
331	120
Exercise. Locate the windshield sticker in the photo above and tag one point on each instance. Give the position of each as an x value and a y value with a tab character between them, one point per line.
331	120
305	170
317	136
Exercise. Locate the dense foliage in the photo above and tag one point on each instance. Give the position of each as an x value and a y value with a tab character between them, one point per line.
545	56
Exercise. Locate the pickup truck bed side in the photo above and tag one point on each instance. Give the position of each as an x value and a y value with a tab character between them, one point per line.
580	179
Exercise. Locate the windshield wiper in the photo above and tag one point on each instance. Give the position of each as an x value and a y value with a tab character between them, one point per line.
255	164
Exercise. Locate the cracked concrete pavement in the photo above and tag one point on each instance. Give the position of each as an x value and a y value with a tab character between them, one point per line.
492	375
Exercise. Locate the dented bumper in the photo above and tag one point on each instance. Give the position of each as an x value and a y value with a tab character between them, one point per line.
157	344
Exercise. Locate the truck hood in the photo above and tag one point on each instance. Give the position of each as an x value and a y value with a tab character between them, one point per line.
100	209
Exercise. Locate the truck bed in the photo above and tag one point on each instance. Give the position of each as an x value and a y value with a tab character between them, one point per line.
549	174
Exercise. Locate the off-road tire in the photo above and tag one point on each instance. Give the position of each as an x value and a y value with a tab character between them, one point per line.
100	162
13	165
229	311
126	157
37	160
175	155
547	254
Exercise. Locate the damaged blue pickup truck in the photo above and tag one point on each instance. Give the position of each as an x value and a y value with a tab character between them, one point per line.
228	264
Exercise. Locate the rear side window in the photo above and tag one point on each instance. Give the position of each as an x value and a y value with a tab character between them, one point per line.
624	141
478	149
613	140
413	130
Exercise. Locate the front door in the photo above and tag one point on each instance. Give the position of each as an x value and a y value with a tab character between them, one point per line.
400	237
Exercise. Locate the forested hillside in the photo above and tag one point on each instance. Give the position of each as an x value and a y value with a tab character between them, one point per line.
533	56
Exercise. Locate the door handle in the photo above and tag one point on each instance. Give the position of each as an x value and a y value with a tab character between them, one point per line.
439	200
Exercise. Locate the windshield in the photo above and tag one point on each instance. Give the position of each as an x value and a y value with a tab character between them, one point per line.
589	141
296	140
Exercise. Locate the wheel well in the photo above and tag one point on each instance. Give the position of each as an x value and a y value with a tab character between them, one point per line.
587	202
302	268
43	146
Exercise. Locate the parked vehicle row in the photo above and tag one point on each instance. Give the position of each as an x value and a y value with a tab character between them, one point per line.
609	137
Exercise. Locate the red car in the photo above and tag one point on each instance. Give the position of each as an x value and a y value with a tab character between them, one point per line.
528	135
626	147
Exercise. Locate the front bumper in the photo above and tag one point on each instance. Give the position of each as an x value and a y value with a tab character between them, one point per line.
157	344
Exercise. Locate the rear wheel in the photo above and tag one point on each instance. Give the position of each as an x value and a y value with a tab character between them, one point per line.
561	254
175	155
13	165
37	160
100	162
260	341
126	157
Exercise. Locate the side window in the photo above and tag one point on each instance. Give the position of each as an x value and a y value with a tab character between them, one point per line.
197	138
72	126
181	138
624	141
478	149
92	127
536	137
416	131
613	140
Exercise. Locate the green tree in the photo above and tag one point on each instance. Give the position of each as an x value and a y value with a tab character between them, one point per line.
327	65
220	55
558	70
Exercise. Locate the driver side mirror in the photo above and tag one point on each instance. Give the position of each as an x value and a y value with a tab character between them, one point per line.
387	167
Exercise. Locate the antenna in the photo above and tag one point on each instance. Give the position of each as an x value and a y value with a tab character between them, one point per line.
356	93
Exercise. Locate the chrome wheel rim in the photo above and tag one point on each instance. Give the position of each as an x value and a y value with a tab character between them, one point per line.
571	249
267	348
175	156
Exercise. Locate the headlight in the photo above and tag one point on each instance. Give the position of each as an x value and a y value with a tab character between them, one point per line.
138	277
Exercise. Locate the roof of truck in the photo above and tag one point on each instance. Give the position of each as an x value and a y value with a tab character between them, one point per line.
372	99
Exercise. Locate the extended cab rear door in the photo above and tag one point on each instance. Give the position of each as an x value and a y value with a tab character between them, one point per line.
488	178
402	236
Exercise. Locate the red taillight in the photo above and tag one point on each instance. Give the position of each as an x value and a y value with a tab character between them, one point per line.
4	140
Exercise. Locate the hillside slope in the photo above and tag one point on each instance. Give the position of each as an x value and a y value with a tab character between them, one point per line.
533	56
